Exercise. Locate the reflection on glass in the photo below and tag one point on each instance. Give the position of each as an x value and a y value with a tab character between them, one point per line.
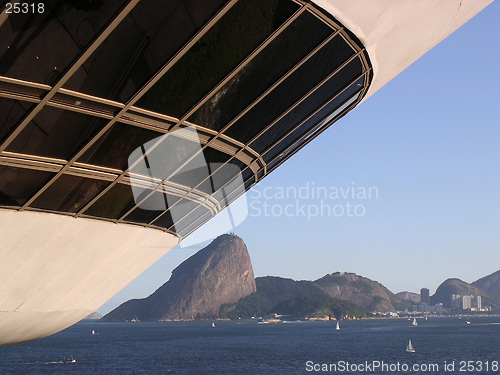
40	44
226	173
113	149
114	203
56	133
195	174
180	210
291	90
12	111
206	232
247	24
164	221
152	207
141	44
206	171
314	124
322	95
69	193
293	44
189	218
225	220
18	185
171	151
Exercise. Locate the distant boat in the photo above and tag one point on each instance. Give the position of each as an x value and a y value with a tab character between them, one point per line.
337	327
414	323
67	360
93	332
213	324
467	322
409	348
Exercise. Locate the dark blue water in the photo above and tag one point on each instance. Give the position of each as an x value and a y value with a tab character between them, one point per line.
249	348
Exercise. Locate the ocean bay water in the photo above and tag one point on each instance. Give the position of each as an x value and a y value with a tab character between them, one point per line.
250	348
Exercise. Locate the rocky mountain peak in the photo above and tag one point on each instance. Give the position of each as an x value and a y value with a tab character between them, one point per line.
218	274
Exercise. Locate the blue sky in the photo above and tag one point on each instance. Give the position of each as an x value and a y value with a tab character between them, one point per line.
429	142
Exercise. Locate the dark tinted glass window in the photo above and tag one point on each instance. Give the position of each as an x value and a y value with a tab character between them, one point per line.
199	169
249	182
17	185
331	87
272	165
143	42
293	44
114	203
69	193
190	218
173	150
180	210
56	133
247	24
153	206
12	111
226	173
332	109
196	224
291	90
37	46
115	146
316	122
164	221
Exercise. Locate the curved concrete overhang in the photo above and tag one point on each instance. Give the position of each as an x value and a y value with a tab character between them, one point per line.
397	33
57	269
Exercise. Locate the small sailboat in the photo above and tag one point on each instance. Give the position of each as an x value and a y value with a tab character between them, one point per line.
93	332
337	327
213	324
409	348
414	323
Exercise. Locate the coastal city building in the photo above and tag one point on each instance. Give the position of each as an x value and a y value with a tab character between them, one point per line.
425	297
467	302
455	301
123	128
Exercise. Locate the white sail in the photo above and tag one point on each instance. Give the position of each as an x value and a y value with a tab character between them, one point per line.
337	327
409	348
414	323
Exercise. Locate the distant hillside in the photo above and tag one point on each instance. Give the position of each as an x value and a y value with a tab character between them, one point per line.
218	282
93	316
289	297
457	286
414	298
490	283
218	274
361	291
319	307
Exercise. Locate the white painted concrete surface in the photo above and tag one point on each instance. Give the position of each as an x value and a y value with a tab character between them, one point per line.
56	269
396	33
